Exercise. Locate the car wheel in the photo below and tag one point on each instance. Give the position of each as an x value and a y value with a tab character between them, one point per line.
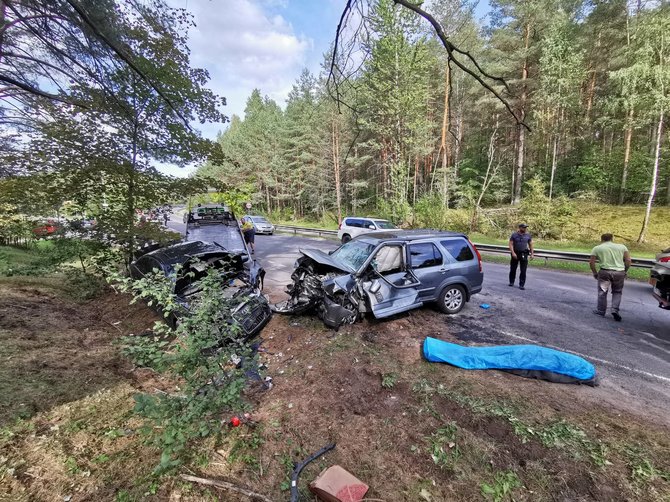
346	238
452	299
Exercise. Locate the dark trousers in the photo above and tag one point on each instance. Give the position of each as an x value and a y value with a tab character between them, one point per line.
522	262
610	280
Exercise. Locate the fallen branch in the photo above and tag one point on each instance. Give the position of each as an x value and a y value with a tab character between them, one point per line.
225	485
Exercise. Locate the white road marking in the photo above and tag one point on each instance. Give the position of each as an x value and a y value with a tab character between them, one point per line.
603	361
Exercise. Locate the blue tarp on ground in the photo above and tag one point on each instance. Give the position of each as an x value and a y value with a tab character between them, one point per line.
525	360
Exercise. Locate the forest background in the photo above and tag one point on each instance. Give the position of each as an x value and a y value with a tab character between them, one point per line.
394	129
572	138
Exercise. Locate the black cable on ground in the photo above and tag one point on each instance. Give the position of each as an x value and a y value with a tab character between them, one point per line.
301	466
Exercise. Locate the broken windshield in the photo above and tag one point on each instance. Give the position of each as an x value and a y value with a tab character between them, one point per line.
353	254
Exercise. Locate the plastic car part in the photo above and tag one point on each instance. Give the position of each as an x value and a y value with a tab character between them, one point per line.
299	467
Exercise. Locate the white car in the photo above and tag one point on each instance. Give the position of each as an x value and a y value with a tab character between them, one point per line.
353	226
261	225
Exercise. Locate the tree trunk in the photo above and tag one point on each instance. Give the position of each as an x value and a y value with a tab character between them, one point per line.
590	94
2	24
336	166
521	142
444	144
553	166
626	156
654	178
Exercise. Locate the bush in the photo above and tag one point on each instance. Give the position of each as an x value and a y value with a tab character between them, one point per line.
203	354
548	218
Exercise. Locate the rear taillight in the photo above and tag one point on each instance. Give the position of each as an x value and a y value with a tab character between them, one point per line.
479	257
665	259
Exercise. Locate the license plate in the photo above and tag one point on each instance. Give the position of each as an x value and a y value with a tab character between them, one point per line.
652	281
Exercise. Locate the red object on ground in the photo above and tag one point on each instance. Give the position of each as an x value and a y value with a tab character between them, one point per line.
338	485
234	421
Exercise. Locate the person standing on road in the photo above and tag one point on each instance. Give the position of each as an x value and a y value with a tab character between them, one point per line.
249	232
614	264
166	217
520	247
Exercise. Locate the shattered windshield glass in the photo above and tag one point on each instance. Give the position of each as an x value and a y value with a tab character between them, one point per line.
385	225
353	254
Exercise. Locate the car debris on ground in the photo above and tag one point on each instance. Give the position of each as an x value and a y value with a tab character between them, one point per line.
530	361
336	484
386	274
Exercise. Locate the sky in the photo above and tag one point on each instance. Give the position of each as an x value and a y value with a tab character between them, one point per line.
263	44
259	44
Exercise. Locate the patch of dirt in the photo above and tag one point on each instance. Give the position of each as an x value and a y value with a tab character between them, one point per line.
54	350
328	388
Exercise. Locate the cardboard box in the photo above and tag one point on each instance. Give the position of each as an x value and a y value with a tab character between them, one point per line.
334	484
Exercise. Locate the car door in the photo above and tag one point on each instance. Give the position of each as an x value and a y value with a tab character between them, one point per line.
464	268
428	266
389	283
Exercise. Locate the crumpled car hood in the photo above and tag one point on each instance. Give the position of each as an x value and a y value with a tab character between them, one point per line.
324	259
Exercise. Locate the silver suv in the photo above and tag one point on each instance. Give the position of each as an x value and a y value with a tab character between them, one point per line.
353	226
385	273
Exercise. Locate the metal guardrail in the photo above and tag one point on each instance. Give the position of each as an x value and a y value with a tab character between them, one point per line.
304	230
546	254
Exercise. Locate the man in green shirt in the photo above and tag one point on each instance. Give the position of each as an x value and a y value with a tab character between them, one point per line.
614	263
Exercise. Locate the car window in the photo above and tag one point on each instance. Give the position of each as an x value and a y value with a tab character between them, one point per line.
459	249
259	219
367	224
424	255
385	225
356	223
353	254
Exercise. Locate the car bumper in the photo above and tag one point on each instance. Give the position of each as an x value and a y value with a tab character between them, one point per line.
253	316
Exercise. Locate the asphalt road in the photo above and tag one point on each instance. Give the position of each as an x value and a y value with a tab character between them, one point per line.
555	310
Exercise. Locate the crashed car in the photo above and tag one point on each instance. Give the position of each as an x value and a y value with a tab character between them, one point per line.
385	273
660	279
187	263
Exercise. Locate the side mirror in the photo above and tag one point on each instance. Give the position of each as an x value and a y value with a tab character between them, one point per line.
376	286
371	227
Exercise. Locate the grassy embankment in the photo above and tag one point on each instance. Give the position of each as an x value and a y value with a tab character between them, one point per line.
588	223
67	430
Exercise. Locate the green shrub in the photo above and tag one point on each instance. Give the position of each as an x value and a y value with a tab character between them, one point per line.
201	354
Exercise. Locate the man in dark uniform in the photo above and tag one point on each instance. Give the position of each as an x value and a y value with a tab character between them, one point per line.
520	246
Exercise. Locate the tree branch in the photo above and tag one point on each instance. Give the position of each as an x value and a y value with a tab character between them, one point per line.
451	49
38	92
85	17
226	486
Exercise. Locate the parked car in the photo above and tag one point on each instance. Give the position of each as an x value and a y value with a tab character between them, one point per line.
660	279
46	228
353	227
209	214
261	224
385	273
250	310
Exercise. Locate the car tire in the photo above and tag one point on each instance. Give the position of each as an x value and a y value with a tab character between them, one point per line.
346	238
451	299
